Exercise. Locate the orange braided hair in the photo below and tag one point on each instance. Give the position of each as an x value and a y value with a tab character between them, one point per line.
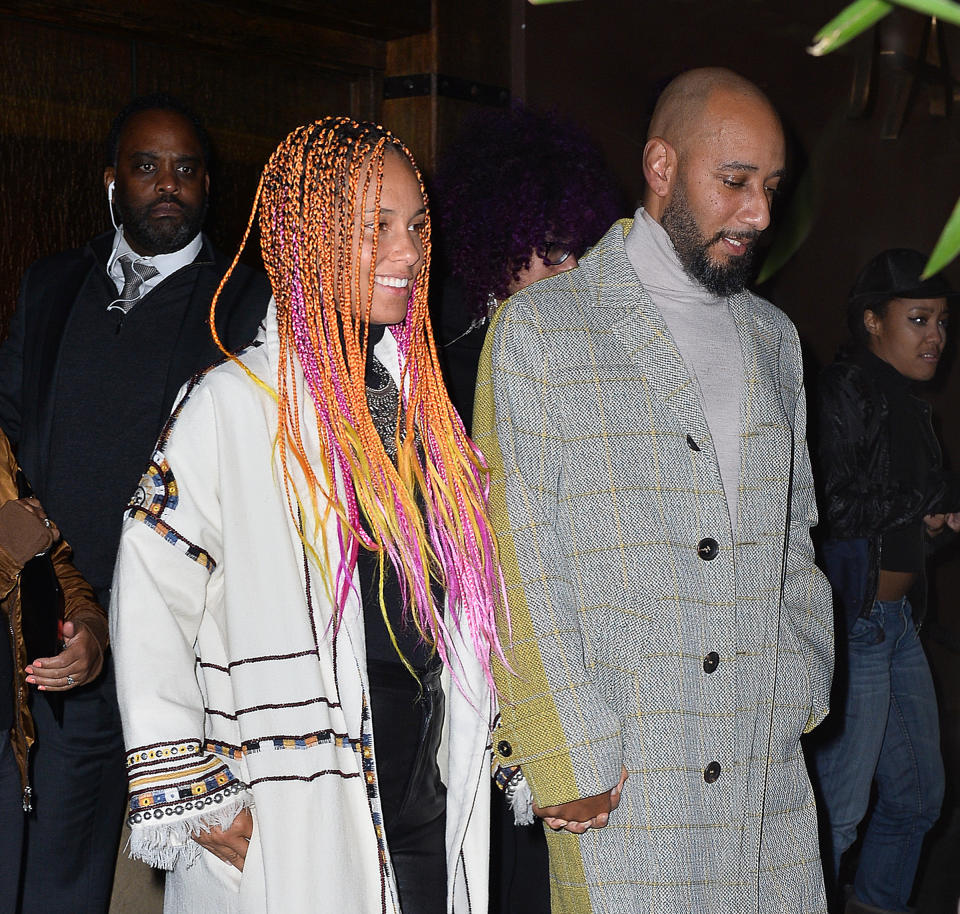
426	513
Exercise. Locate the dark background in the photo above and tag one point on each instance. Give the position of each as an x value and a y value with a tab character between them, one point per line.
871	168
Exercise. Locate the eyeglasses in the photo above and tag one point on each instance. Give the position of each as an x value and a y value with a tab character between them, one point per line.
555	253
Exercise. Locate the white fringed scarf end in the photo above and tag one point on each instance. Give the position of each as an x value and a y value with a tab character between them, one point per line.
165	845
521	802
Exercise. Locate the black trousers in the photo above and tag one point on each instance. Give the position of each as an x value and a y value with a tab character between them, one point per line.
407	725
519	863
79	794
11	826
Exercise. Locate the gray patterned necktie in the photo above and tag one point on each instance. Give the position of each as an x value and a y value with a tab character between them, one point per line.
135	273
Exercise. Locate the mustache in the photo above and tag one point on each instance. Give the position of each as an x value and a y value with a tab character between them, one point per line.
166	199
749	236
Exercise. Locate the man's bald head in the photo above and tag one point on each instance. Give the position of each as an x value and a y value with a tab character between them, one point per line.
679	113
713	162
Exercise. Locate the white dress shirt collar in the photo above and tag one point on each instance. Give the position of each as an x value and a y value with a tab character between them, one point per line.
165	264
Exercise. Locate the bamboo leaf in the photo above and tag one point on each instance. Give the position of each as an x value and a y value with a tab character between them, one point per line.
947	10
947	246
850	22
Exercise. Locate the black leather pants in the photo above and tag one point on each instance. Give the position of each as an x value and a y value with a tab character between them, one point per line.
407	726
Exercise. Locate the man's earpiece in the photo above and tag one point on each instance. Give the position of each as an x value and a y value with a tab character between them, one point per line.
110	188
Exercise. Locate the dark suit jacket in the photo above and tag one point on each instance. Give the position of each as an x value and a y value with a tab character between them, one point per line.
30	357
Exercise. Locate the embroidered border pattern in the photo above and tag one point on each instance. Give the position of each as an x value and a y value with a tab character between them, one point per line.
373	792
223	749
205	784
503	777
162	753
157	490
307	741
158	487
172	420
190	550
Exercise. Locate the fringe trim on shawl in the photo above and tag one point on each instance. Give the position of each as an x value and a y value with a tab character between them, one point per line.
164	846
521	802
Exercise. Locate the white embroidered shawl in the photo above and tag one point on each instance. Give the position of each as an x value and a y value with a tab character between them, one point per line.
234	689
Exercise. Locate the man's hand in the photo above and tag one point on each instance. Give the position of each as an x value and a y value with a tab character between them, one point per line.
579	815
229	844
935	523
79	662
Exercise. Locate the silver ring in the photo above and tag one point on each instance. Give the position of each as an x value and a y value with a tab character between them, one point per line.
71	681
46	522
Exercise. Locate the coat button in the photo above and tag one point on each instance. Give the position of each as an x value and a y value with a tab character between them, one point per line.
692	444
708	548
504	748
710	662
711	772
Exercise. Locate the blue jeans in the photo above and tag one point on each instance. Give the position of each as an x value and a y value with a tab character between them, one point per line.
889	733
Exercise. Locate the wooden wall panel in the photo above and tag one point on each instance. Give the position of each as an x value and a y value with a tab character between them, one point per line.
468	43
474	40
254	29
413	118
57	104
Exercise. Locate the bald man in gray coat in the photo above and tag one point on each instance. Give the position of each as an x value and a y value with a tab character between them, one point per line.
644	421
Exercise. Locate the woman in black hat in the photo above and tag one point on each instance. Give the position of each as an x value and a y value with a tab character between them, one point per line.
886	501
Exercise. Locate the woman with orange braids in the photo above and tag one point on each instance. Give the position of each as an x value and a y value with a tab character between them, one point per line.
303	599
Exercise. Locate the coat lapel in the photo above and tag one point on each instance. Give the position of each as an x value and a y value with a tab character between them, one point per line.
765	434
625	307
629	312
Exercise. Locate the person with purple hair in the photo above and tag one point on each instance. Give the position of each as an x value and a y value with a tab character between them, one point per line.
518	197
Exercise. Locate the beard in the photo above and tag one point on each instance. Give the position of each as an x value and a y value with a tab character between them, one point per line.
693	249
162	236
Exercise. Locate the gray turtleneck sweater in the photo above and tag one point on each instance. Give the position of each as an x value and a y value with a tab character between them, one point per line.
706	336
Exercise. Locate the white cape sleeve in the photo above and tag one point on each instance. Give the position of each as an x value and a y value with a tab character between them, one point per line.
166	586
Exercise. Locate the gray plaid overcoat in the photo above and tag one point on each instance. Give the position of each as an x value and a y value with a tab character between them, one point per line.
645	632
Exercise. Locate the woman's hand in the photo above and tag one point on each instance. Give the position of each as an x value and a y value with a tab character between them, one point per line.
229	844
79	662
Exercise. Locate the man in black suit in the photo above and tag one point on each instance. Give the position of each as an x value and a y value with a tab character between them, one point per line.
102	339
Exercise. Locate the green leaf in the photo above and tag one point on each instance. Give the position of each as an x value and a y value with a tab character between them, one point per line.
853	20
947	10
947	246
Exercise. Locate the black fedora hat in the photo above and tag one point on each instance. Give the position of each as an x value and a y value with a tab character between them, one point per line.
895	273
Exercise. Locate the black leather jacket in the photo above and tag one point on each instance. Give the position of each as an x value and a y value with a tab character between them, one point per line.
864	495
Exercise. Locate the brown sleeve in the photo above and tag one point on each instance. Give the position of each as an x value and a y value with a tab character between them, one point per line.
9	566
22	534
9	573
80	604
